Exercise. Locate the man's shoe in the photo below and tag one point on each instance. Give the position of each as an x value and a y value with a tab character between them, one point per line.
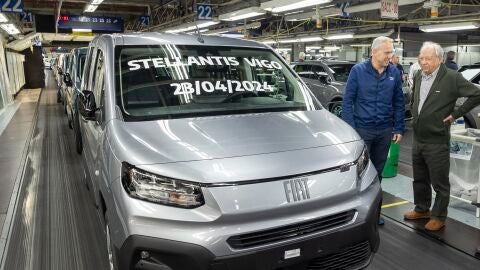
411	215
434	225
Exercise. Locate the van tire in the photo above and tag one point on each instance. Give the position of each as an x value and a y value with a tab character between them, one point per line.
112	256
76	133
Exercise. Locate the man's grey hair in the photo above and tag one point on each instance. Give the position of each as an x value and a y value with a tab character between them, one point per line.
438	49
379	41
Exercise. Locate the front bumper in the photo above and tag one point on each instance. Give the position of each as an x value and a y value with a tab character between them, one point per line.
351	247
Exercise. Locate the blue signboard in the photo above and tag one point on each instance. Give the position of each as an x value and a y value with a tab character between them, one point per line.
95	23
145	20
204	12
11	6
26	16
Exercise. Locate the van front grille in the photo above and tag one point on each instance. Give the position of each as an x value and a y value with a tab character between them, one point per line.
290	231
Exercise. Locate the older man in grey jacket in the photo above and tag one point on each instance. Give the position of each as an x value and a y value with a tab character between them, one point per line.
436	89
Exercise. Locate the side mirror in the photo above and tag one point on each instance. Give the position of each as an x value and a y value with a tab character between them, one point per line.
67	80
324	77
87	105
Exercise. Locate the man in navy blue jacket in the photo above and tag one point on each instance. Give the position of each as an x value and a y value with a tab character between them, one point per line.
373	102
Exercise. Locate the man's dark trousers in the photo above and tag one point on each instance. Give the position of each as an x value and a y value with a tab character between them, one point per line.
431	165
378	143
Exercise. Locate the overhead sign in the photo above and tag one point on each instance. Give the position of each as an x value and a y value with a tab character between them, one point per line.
343	7
145	20
26	16
389	9
204	12
11	6
94	23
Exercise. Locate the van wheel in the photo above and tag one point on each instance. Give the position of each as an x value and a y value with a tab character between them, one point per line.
336	108
76	133
112	256
469	121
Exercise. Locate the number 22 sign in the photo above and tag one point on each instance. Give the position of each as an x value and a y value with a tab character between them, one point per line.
11	6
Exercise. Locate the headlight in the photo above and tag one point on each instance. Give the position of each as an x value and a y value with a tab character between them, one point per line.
362	162
146	186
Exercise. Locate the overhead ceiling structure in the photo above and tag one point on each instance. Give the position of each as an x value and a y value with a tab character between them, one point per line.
270	21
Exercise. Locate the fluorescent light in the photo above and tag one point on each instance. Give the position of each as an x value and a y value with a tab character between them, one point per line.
339	36
288	41
283	49
310	39
449	27
470	45
90	8
96	2
3	19
309	48
191	26
242	14
10	28
300	39
269	42
373	35
277	6
331	48
82	30
360	45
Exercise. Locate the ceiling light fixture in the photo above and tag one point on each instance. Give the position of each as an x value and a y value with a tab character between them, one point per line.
96	2
269	42
310	39
283	41
331	48
82	30
3	18
242	14
191	26
339	36
277	6
10	28
359	45
449	27
90	8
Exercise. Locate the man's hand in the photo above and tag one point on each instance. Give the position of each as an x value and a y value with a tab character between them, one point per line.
397	138
449	120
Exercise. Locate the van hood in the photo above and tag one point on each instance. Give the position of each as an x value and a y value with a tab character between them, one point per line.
226	136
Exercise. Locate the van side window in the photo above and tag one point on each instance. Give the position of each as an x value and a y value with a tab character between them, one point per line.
98	80
88	70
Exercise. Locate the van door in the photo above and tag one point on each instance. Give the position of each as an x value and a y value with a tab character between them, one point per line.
93	130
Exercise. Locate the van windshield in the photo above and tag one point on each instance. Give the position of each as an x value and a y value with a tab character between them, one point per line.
172	81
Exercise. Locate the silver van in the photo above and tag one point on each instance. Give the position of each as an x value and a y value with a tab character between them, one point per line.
73	80
211	153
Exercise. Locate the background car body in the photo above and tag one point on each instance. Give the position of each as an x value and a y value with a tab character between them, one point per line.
245	164
330	92
471	73
72	91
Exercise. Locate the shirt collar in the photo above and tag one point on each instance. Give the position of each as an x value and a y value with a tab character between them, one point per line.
373	70
433	75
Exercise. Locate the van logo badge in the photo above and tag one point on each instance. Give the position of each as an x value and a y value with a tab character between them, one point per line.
391	78
296	189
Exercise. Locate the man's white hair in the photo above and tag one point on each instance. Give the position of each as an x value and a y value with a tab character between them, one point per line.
438	49
379	41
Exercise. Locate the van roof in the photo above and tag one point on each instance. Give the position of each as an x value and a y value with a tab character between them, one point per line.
154	38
